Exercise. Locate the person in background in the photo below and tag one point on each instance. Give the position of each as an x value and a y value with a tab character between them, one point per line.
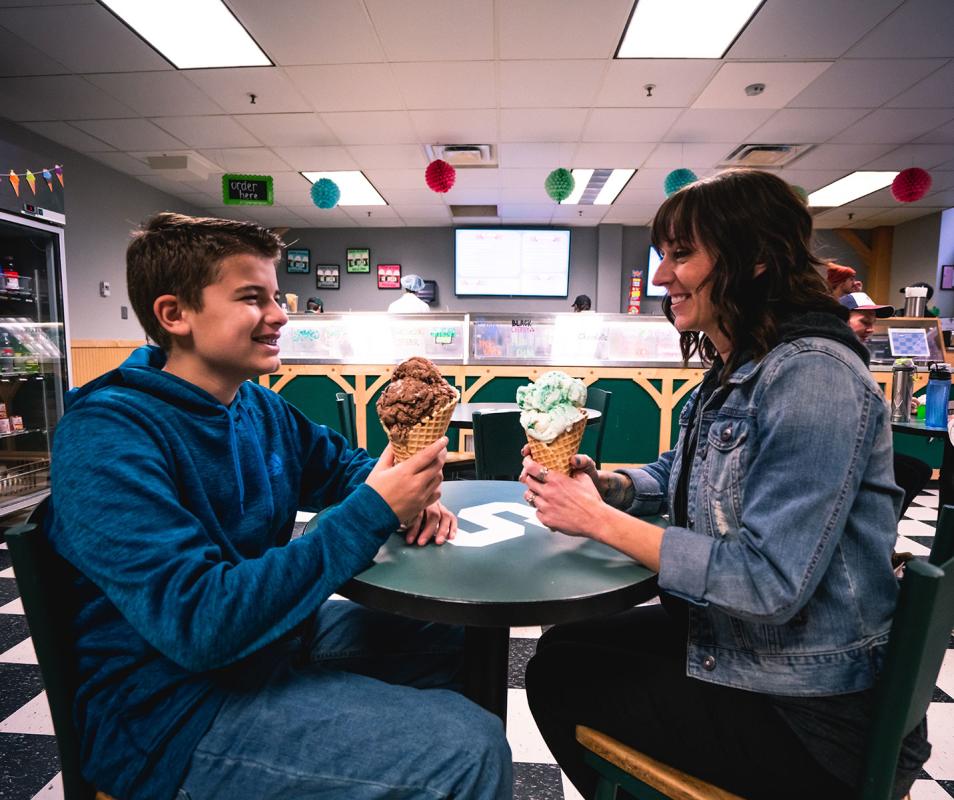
842	280
774	567
210	664
911	474
409	302
582	303
315	306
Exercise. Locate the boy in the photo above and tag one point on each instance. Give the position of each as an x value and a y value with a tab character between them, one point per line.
209	665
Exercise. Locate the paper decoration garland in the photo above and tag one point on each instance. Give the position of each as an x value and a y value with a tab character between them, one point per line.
325	193
440	176
58	171
15	182
14	177
48	177
560	184
910	185
678	179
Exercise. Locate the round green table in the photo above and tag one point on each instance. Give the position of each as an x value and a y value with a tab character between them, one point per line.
503	569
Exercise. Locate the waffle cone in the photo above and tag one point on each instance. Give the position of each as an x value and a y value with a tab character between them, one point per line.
556	455
426	432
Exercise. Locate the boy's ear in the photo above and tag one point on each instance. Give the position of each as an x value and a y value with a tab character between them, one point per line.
168	311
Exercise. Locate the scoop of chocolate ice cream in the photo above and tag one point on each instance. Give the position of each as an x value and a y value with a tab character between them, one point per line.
416	391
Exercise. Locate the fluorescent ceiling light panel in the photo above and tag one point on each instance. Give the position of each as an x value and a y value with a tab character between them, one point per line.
581	177
685	28
849	188
597	187
613	186
356	190
192	34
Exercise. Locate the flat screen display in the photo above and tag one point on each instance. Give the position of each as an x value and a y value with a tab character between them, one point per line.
652	266
512	262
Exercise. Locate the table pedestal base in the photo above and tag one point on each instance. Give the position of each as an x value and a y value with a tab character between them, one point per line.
486	658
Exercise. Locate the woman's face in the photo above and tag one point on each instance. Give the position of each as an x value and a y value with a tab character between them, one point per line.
683	272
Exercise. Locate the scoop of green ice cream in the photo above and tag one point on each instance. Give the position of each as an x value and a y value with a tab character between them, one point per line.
551	404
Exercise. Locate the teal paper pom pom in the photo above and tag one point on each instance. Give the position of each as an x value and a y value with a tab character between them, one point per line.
800	192
325	193
559	184
677	179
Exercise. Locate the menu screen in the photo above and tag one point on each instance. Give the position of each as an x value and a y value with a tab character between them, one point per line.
512	262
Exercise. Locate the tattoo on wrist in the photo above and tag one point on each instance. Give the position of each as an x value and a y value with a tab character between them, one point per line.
617	490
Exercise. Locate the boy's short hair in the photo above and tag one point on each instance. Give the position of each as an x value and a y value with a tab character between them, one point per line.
180	255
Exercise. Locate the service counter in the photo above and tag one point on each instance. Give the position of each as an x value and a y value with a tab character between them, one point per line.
487	356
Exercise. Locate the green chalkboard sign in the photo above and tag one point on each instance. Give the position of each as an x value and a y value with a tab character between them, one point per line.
247	190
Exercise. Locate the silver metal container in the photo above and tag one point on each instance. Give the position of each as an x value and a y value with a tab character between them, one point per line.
902	389
915	306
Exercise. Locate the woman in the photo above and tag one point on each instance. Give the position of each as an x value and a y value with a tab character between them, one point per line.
755	672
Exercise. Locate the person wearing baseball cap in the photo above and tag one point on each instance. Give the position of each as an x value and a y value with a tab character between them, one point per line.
842	280
864	311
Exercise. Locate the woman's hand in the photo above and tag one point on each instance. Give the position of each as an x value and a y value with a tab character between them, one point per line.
569	504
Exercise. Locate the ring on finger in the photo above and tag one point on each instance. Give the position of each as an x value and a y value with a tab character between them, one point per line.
543	474
530	499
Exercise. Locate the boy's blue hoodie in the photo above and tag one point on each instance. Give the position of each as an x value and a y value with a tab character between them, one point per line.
177	511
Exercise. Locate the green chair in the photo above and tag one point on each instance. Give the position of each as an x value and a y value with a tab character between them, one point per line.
498	438
920	634
43	579
346	417
592	444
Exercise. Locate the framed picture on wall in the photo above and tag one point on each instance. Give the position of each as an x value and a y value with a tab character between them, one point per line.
389	276
327	276
298	261
358	259
947	276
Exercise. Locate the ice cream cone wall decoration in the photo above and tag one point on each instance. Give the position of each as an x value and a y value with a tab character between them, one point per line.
31	181
15	182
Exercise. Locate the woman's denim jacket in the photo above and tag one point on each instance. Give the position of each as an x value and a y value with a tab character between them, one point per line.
792	515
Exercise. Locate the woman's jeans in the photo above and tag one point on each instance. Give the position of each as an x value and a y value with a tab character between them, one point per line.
369	712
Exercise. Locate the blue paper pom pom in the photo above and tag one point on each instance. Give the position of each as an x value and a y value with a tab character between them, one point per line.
677	179
325	193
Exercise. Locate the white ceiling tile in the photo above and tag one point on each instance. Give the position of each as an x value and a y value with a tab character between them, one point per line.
843	217
808	28
539	210
434	30
273	216
479	222
719	125
19	57
301	129
477	179
450	84
327	218
250	160
122	162
317	159
932	92
629	124
471	126
385	179
549	84
880	199
233	89
646	178
841	157
384	156
86	38
691	155
217	131
925	156
64	133
569	213
810	179
944	199
898	216
943	134
561	28
922	27
600	155
864	83
129	134
941	180
473	197
629	215
783	80
351	87
414	198
676	82
156	94
532	195
57	97
643	196
541	124
535	154
522	178
894	125
211	185
311	31
162	183
806	125
371	127
291	183
378	213
405	210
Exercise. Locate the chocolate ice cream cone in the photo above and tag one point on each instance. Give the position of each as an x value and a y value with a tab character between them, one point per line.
556	455
426	432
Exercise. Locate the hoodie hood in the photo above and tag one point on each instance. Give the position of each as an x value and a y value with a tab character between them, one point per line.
826	325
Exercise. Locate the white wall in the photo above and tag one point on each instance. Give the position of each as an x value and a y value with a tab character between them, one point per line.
914	258
945	255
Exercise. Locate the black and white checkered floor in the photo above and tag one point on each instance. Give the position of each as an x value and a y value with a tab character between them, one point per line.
29	764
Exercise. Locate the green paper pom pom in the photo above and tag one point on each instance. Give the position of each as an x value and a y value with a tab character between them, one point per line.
325	193
678	179
559	184
800	192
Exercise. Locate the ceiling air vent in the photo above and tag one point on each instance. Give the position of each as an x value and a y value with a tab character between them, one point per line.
182	166
463	155
474	211
764	155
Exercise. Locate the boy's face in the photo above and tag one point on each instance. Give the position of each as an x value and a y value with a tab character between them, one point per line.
862	323
235	336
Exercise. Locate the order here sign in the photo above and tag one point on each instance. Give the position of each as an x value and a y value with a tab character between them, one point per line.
247	190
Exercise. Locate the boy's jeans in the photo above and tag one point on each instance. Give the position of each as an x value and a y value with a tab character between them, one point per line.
366	717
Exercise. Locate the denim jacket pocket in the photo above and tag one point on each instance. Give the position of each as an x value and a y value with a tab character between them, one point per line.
725	466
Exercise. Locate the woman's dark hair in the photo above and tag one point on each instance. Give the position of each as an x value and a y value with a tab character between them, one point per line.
745	218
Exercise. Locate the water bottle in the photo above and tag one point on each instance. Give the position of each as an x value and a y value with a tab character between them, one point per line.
902	388
938	392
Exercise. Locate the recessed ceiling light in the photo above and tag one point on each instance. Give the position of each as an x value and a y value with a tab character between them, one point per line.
685	28
597	187
356	189
192	34
849	188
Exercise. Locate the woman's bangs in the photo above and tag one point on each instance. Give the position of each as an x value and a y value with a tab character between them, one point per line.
675	220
